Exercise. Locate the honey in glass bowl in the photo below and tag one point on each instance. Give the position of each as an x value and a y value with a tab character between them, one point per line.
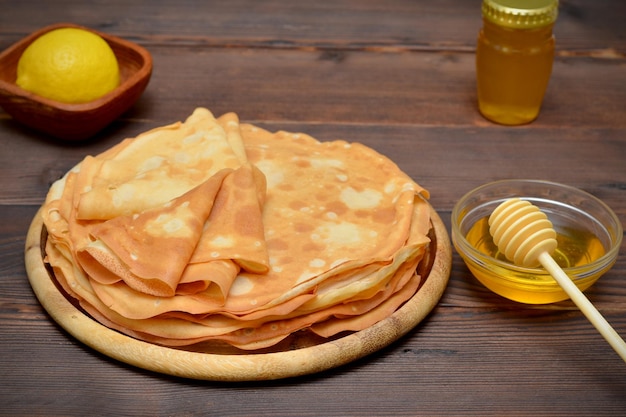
589	236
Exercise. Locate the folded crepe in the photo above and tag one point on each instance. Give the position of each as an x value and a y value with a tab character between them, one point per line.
212	230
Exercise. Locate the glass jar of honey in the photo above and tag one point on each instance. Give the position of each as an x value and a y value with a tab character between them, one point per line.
514	57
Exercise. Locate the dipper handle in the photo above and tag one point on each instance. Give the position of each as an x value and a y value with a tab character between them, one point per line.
526	237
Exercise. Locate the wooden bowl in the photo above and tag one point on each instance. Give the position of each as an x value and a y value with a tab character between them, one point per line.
73	122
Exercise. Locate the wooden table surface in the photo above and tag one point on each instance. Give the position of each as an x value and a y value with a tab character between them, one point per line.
397	76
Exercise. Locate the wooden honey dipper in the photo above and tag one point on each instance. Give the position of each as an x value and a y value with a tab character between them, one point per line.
526	237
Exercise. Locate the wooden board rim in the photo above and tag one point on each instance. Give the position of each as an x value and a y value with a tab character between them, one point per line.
231	367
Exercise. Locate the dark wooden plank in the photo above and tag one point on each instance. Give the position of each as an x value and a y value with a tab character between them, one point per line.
449	162
558	350
358	98
425	373
361	87
582	27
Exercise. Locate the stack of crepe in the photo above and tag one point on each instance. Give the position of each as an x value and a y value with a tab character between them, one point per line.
215	230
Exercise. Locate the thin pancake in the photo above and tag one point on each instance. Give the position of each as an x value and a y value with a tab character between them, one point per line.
251	236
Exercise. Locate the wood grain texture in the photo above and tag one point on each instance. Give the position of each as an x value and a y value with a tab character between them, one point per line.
397	25
399	77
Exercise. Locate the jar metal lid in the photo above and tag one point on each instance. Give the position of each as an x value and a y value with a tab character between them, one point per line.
520	14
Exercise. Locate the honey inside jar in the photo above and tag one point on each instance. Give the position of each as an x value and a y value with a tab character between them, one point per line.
514	57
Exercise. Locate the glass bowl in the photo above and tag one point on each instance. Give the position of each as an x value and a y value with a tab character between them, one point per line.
589	238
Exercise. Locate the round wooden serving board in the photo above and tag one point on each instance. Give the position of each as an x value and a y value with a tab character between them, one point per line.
300	355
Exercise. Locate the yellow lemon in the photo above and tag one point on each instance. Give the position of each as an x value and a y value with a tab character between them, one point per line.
70	65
